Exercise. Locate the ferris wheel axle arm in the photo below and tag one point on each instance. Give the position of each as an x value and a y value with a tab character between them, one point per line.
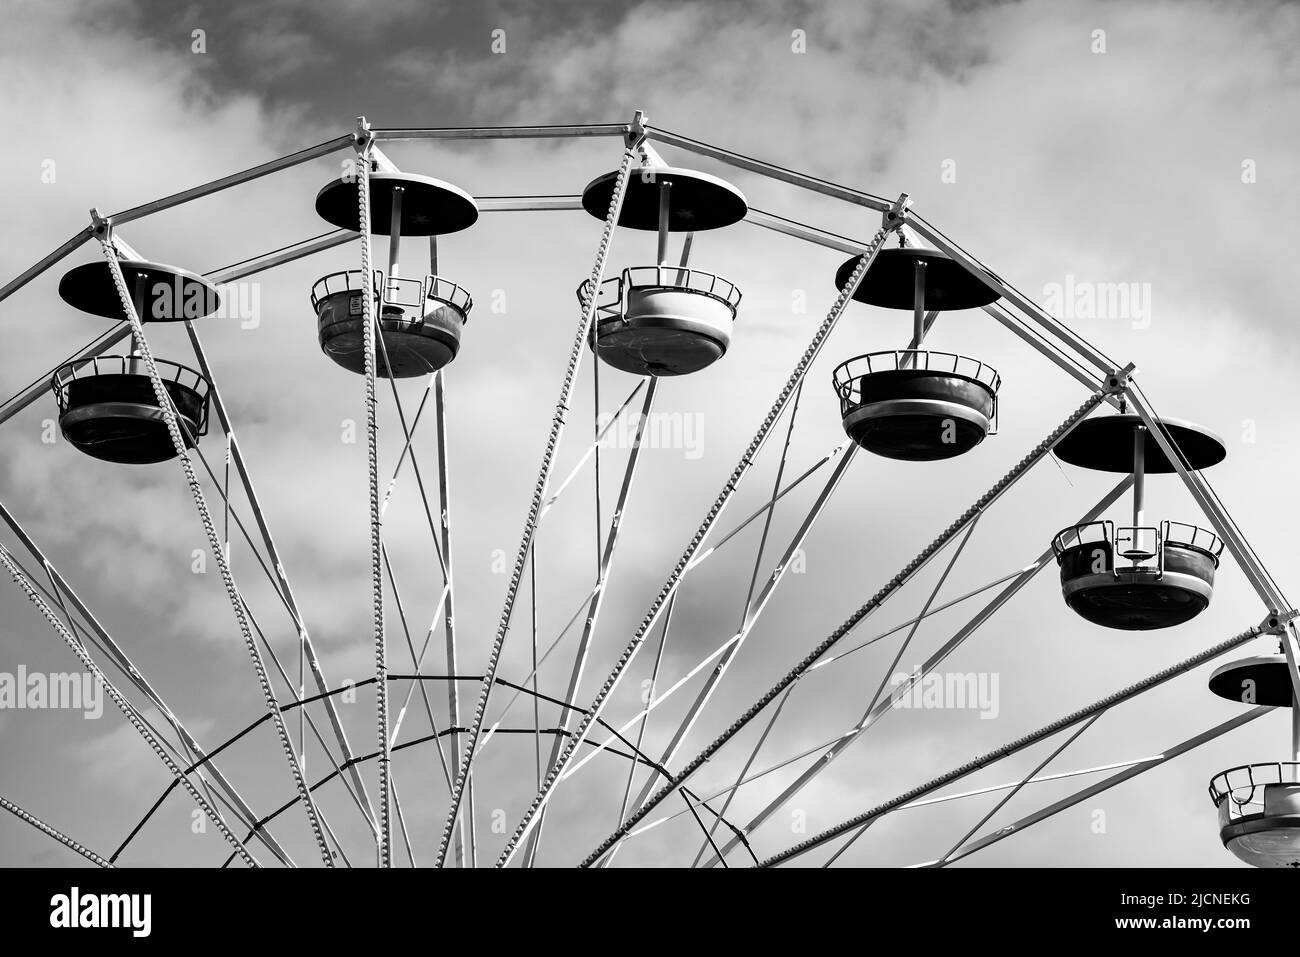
917	563
1098	360
1094	789
500	132
576	351
840	744
770	170
742	468
31	272
133	674
1019	744
449	617
126	251
277	564
1018	327
234	179
752	613
597	599
171	420
810	234
54	833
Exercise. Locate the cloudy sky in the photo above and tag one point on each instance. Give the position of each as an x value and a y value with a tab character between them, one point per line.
1064	144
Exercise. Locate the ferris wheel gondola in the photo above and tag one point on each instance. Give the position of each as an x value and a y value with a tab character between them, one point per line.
917	404
107	406
1137	577
665	320
1259	804
420	320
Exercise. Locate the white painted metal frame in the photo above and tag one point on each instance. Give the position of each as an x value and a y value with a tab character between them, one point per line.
1047	335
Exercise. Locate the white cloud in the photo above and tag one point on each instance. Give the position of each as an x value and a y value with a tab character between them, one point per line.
1116	167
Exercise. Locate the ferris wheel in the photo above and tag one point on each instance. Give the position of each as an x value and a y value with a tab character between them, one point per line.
654	322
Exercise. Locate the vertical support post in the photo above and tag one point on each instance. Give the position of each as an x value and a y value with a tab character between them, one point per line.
465	835
134	364
395	233
1291	648
909	361
433	255
1139	485
664	209
1295	728
686	257
918	304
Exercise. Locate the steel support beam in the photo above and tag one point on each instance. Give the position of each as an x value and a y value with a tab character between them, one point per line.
1102	364
499	132
670	587
833	190
31	272
1094	789
919	562
281	576
882	708
597	599
634	140
133	674
751	618
234	179
1019	744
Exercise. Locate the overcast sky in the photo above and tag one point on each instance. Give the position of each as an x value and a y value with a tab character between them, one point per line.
1067	145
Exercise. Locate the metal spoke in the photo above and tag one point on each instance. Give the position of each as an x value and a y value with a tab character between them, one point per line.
1019	744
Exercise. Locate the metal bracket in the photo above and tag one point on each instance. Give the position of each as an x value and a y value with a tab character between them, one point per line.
1275	622
1118	380
894	217
368	151
101	227
364	135
379	161
636	132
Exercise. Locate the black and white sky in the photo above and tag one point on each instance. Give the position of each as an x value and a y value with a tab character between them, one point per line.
1066	144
